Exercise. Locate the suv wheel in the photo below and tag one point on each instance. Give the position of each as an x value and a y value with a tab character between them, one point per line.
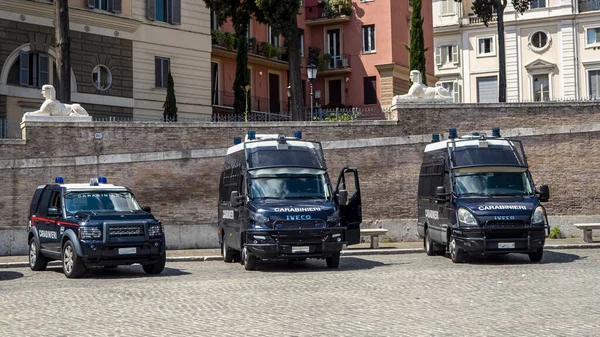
37	261
537	255
157	267
334	261
73	267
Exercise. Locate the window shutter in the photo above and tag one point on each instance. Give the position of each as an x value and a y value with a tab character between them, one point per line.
116	6
456	92
157	72
455	53
44	69
24	65
176	12
150	9
91	3
438	56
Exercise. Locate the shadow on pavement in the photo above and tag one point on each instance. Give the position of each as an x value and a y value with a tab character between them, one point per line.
516	259
134	271
9	275
314	265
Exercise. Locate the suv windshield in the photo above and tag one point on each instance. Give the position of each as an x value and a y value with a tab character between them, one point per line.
290	186
493	184
100	201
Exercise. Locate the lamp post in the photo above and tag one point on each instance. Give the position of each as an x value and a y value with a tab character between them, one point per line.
289	93
311	72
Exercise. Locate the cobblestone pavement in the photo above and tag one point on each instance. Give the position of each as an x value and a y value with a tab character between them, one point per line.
387	295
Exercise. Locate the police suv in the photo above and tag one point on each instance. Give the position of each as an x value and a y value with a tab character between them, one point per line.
95	224
476	196
276	202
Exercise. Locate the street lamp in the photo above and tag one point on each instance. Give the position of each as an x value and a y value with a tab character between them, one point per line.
311	72
289	93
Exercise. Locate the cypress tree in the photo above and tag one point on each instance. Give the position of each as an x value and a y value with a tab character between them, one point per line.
170	106
417	41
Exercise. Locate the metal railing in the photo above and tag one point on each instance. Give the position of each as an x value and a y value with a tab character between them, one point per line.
324	11
347	114
224	98
250	117
337	62
589	5
476	19
10	130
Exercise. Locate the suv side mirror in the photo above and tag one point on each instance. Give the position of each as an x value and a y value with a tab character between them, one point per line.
234	199
343	197
544	193
147	209
53	211
441	195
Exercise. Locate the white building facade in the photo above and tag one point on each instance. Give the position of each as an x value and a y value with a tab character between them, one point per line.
552	51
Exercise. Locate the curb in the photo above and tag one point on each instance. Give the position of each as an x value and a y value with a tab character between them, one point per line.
351	252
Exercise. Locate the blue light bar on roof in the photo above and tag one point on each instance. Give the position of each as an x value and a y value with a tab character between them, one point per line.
251	134
102	180
435	138
453	134
496	132
298	134
59	180
237	140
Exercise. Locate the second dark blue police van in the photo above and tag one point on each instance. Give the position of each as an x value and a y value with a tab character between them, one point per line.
276	202
477	197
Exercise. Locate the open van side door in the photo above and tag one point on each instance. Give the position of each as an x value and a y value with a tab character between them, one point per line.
351	211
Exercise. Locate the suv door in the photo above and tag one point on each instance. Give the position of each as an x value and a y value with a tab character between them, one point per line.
54	225
40	219
351	213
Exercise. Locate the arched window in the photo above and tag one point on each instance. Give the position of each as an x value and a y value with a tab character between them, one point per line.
32	69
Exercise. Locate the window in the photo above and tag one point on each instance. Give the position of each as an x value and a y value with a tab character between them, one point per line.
539	40
273	39
301	41
368	38
593	36
448	86
447	55
537	4
101	4
594	83
101	77
370	91
485	46
30	70
162	67
113	6
487	89
168	11
541	87
447	7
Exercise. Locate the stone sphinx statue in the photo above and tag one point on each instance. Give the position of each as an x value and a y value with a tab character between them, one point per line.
419	92
54	108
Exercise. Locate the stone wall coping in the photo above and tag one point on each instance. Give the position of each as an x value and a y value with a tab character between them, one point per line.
484	106
13	142
146	124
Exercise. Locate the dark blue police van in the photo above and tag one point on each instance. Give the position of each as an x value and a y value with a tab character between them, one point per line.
276	202
95	224
477	197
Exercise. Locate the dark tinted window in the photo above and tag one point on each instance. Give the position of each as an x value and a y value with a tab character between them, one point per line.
431	176
294	156
490	156
42	209
35	201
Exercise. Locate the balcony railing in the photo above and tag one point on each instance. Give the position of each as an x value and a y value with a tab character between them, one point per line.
226	98
475	19
327	11
338	62
257	48
589	5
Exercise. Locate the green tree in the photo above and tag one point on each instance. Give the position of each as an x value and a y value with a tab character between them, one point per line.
170	106
282	17
486	10
240	12
417	41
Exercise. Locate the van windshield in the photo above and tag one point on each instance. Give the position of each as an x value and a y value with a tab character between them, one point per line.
493	184
290	186
100	201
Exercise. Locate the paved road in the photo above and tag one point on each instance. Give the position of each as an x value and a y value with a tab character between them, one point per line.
393	295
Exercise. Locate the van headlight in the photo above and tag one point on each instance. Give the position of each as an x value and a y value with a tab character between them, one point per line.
258	220
466	218
539	216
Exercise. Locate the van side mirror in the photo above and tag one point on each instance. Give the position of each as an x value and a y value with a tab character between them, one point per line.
342	197
544	193
53	211
147	209
235	199
441	195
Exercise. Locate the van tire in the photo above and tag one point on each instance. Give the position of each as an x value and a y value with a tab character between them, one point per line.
537	255
333	261
456	254
228	254
248	260
428	244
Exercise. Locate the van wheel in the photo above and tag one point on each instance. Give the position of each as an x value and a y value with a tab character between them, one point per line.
456	254
157	267
37	261
73	267
334	261
428	244
226	252
248	259
537	255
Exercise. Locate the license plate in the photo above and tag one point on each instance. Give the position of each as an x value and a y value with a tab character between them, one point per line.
124	251
506	245
301	249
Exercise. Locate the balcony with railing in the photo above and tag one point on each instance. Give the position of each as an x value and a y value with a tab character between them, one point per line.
328	12
259	52
474	19
589	5
335	64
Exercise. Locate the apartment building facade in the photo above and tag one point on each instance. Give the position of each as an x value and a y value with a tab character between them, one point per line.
358	46
121	54
552	51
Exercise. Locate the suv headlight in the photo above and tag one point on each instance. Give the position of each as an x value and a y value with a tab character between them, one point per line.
539	216
334	218
90	233
466	218
155	230
258	220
